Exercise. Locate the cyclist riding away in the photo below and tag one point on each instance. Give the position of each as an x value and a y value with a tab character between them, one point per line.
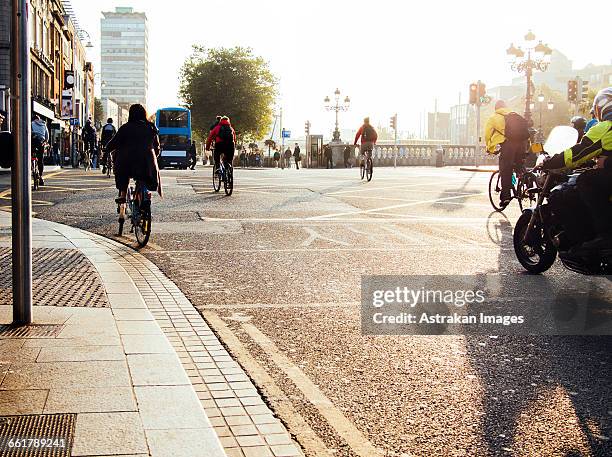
595	185
224	136
136	148
40	139
506	134
108	132
368	137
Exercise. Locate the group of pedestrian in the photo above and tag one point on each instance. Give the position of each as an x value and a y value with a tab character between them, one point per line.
250	158
280	160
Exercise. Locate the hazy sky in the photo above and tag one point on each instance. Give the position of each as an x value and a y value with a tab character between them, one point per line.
388	56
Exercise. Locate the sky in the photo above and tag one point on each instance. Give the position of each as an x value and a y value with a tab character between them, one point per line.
388	56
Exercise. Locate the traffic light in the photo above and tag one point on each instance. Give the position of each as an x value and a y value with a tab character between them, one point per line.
572	91
482	90
473	93
393	122
307	127
584	91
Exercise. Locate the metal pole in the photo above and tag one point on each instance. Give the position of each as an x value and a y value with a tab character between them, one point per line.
477	148
528	94
395	142
20	182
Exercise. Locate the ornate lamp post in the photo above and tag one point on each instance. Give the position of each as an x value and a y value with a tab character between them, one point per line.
337	108
536	57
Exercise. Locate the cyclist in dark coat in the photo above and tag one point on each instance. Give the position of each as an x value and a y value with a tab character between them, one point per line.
136	148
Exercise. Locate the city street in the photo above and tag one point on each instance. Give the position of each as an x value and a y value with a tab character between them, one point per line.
276	269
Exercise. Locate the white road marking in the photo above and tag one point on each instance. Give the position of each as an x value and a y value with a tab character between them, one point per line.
345	428
314	235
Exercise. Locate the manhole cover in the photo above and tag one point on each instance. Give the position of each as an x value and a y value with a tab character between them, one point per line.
30	331
48	435
60	277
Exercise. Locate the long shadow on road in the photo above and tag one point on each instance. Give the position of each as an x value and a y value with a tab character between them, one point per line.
542	395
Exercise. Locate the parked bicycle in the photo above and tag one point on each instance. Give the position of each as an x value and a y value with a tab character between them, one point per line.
224	172
521	183
137	208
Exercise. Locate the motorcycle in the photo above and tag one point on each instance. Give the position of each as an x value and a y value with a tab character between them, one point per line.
558	223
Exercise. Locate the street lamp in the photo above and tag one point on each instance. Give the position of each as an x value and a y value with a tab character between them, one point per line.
337	107
537	57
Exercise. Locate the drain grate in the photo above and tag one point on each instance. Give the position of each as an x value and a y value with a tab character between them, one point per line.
47	435
60	277
30	331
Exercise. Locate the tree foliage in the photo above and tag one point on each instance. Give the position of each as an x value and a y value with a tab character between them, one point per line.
98	111
231	82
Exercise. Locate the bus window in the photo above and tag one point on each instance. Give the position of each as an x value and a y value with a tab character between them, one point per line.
173	119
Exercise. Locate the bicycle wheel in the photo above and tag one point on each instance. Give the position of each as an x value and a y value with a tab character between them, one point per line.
369	169
228	183
142	229
526	182
216	177
362	169
495	191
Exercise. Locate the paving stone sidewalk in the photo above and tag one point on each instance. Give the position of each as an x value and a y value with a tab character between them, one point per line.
102	368
170	354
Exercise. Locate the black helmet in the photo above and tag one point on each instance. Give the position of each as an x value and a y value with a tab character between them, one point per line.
109	120
579	123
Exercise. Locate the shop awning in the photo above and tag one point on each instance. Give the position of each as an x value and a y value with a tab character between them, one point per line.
43	110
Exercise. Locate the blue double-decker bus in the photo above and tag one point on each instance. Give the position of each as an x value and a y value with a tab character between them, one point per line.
174	125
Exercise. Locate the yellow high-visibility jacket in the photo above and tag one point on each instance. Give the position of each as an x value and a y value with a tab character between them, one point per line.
495	129
596	142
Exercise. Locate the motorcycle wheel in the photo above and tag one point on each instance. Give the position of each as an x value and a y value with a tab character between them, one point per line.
539	254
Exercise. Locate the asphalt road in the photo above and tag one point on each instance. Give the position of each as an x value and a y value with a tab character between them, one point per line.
276	270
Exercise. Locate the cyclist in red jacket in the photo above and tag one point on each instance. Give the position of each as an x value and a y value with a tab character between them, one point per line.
368	137
224	136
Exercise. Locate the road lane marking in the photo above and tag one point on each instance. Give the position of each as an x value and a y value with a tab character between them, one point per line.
345	428
403	205
309	440
314	235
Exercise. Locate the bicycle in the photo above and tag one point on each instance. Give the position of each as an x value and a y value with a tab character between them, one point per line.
138	211
86	160
522	182
224	172
366	166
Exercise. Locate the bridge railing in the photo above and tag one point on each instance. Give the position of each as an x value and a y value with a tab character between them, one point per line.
427	155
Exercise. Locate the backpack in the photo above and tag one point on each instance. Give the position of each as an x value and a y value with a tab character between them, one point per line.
225	134
517	128
368	133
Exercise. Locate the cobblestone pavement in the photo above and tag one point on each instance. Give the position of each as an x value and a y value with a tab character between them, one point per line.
276	270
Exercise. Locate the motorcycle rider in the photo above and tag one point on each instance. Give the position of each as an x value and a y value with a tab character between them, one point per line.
579	123
595	185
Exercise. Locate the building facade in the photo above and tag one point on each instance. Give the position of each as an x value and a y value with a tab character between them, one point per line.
56	50
125	56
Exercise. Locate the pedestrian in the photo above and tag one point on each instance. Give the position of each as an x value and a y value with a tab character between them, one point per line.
193	155
288	157
329	162
243	158
297	156
277	158
506	134
347	157
56	152
258	163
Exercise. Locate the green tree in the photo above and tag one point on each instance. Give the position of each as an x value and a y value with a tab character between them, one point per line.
231	82
98	111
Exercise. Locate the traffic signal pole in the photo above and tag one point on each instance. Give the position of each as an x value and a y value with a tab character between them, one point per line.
477	148
21	198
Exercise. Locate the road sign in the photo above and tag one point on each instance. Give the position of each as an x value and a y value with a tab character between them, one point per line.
286	133
74	121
